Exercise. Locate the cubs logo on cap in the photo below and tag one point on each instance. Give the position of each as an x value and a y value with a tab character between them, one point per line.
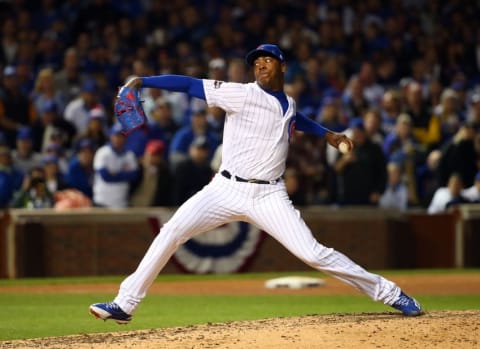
269	50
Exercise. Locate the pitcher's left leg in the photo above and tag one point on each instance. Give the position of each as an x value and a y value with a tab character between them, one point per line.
277	216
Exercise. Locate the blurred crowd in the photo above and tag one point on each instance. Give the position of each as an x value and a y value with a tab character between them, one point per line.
400	77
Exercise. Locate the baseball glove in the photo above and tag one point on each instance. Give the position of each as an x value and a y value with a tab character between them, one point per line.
128	109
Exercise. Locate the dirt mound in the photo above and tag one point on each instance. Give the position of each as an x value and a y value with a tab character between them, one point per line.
445	329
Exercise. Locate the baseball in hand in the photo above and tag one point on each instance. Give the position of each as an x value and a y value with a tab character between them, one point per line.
344	147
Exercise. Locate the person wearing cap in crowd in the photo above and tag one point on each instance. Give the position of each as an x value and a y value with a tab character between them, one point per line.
115	169
401	142
79	174
361	173
16	109
10	177
161	125
472	193
54	178
330	113
401	147
97	129
24	156
184	137
49	125
155	182
61	153
77	111
193	172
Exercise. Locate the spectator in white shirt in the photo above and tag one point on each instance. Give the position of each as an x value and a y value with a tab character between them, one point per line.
115	169
447	197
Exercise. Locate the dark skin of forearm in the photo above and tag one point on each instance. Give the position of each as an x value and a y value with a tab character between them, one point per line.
334	139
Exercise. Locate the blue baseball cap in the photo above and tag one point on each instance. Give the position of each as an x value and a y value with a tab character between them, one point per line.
269	50
116	129
24	133
90	86
50	159
85	143
357	123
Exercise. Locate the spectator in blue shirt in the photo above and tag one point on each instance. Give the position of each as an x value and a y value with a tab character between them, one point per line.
184	137
80	169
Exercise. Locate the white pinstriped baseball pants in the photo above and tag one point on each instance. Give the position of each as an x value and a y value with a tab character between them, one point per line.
266	206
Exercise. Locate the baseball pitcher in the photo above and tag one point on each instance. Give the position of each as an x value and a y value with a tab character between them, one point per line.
249	187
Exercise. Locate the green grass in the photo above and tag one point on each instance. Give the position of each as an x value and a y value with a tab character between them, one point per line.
43	315
242	276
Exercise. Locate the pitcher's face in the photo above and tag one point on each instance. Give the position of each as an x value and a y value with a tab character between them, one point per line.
269	72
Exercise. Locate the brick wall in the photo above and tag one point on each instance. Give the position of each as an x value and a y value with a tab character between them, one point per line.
105	242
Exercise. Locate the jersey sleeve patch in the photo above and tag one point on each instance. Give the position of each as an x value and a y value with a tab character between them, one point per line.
229	96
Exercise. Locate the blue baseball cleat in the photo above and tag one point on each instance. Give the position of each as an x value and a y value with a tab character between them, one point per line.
407	305
110	311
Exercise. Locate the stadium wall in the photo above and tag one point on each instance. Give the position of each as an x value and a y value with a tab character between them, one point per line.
98	241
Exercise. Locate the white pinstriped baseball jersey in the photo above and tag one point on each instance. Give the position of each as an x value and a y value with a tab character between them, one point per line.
256	131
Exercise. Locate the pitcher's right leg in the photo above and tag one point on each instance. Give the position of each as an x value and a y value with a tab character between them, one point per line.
204	211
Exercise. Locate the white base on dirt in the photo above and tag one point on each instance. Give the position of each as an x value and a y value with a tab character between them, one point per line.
294	282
